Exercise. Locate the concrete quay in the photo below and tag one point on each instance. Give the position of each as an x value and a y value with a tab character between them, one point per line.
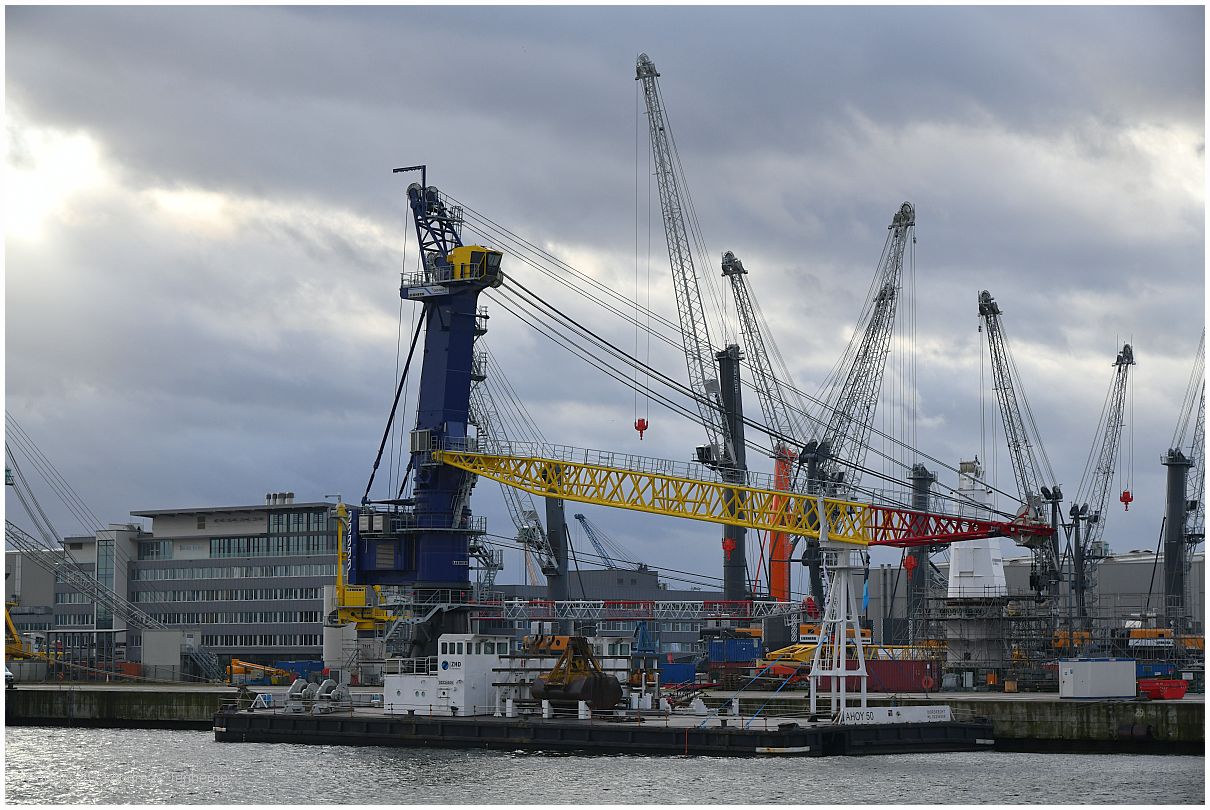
1038	721
1021	722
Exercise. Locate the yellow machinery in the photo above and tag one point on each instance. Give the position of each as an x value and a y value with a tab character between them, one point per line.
473	262
1066	639
243	671
598	481
353	601
810	631
14	646
576	675
803	653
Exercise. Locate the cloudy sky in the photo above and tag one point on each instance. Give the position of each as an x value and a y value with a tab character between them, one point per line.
203	234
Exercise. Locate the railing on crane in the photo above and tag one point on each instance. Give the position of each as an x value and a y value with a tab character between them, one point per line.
581	475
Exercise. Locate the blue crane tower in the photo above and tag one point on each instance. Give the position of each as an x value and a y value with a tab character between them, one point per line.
424	540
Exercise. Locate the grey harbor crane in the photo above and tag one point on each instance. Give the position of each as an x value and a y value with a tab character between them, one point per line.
716	388
1031	467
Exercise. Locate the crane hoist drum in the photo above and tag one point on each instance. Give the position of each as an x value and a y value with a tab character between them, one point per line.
576	676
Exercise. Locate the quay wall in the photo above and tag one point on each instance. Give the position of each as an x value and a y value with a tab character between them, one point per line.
1049	723
1046	724
114	707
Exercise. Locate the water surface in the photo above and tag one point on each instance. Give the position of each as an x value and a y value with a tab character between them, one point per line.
115	766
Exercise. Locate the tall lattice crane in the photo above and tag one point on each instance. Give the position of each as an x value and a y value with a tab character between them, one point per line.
1184	511
713	390
606	546
1031	467
852	399
779	413
1195	511
1089	512
1195	522
695	332
833	458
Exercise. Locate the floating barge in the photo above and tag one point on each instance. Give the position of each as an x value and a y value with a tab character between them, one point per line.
676	734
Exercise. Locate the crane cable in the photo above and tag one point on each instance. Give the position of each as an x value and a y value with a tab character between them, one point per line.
394	406
500	234
544	308
593	360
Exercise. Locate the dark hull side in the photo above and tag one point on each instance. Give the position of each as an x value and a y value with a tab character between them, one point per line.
598	737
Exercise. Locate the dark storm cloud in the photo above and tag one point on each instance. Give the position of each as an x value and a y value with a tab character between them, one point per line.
1055	157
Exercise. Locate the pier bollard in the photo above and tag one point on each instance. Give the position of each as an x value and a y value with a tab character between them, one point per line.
546	710
584	712
510	708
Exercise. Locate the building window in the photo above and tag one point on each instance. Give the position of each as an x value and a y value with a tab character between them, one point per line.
155	550
201	521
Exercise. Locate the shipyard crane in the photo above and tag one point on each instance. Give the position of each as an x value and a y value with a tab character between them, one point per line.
1195	511
716	392
1184	515
834	456
602	542
1195	524
1092	496
422	541
1030	465
778	414
425	541
851	401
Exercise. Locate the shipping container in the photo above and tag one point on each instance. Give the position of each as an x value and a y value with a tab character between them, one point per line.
676	673
743	649
1097	677
1154	669
893	676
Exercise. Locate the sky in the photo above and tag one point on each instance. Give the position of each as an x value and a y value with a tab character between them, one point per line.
203	236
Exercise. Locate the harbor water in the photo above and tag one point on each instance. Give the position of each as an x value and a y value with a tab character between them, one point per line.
113	766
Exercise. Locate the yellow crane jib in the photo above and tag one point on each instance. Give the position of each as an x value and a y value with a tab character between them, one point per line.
753	507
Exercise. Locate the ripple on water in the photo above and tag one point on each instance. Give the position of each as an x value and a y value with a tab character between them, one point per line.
43	765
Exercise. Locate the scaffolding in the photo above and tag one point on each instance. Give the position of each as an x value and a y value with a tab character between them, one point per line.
1014	640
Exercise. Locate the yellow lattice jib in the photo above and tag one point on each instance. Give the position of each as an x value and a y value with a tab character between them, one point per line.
659	494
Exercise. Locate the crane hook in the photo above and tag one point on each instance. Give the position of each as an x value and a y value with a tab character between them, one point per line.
1126	499
640	425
